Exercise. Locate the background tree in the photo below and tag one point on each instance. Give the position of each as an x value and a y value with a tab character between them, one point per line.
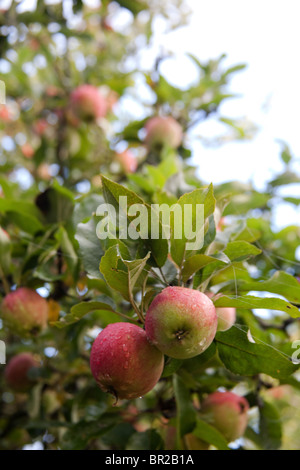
70	79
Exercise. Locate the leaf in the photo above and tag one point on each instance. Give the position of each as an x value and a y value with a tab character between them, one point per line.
80	310
196	262
90	247
281	283
5	251
288	177
171	366
158	247
136	271
24	214
147	440
244	358
186	413
242	203
250	302
240	250
202	197
115	277
209	434
270	430
67	248
56	203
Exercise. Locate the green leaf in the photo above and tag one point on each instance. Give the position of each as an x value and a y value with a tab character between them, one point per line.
203	197
136	271
209	434
56	204
243	357
148	440
270	430
5	251
80	310
90	247
196	262
67	248
115	276
280	283
135	6
24	214
171	366
250	302
158	247
186	413
240	250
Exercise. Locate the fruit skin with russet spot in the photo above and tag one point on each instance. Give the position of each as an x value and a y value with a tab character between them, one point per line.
181	322
163	132
124	363
87	103
227	412
24	312
16	372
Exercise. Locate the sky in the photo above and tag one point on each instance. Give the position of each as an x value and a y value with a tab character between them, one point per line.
266	36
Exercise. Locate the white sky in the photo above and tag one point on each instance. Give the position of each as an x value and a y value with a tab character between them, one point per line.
265	35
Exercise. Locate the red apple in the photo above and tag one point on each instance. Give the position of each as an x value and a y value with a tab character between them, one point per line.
163	132
124	363
127	161
227	412
16	371
87	102
24	312
226	315
181	322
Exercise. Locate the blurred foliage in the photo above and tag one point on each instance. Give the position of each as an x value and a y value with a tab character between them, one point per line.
50	190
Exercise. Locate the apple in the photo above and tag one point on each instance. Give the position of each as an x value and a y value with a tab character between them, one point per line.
87	102
181	322
226	315
124	363
227	412
163	132
27	150
16	372
127	161
24	312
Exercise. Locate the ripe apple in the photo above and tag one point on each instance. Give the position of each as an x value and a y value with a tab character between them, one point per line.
24	312
16	371
87	102
181	322
226	315
124	363
127	161
163	132
227	412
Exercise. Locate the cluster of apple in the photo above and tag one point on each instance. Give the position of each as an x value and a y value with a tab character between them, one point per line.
181	323
88	103
127	360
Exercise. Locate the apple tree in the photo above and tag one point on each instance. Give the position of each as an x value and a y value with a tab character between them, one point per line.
86	318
